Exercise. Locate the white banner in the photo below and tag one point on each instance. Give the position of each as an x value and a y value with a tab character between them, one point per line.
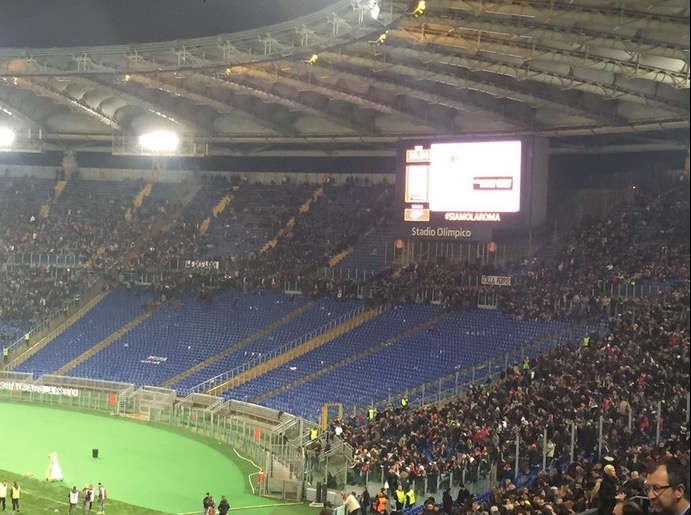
39	388
203	265
496	280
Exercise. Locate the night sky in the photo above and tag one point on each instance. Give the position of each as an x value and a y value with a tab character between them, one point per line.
50	23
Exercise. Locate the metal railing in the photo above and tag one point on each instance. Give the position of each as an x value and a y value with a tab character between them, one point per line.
476	476
79	382
632	290
46	259
343	22
355	274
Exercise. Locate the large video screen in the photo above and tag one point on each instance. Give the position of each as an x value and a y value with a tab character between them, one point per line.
447	184
469	177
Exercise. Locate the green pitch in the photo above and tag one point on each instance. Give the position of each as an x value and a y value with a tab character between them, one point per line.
146	469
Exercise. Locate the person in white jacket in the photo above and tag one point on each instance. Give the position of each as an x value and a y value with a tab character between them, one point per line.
352	506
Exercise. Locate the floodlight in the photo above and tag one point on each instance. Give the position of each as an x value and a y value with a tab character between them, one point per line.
7	137
159	141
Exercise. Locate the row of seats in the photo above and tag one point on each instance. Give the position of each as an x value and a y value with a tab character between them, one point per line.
184	333
317	316
456	342
114	311
374	332
372	253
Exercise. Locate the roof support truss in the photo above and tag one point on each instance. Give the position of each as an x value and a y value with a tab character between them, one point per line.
429	66
520	117
470	55
45	89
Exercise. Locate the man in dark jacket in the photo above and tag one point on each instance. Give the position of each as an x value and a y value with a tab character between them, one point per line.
365	501
206	501
463	495
447	502
223	506
607	494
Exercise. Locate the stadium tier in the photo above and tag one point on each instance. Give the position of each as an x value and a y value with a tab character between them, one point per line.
305	323
184	333
224	327
437	346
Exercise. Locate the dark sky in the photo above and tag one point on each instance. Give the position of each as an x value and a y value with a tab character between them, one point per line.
50	23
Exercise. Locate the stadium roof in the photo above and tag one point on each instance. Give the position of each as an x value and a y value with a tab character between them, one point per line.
597	74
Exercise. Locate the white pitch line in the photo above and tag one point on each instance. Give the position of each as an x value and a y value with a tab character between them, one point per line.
27	492
249	477
239	508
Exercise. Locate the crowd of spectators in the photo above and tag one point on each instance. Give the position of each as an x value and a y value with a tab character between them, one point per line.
640	362
642	359
638	365
646	242
28	293
92	223
335	220
97	224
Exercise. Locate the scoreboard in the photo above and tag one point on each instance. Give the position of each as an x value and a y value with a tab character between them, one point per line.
462	190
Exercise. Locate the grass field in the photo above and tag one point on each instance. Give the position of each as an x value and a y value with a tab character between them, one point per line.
147	469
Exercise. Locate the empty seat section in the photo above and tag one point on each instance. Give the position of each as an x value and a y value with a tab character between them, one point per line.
182	334
371	254
456	342
320	314
110	314
374	331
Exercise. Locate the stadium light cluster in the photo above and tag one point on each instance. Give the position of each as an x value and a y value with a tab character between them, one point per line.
7	137
159	141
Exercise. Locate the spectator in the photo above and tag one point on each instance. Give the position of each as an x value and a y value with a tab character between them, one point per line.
667	487
607	491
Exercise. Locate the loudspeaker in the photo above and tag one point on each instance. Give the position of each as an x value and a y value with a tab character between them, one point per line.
94	453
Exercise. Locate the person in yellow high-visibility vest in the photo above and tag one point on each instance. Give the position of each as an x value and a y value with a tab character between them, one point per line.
5	354
15	492
526	365
314	433
410	497
371	413
27	338
400	498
